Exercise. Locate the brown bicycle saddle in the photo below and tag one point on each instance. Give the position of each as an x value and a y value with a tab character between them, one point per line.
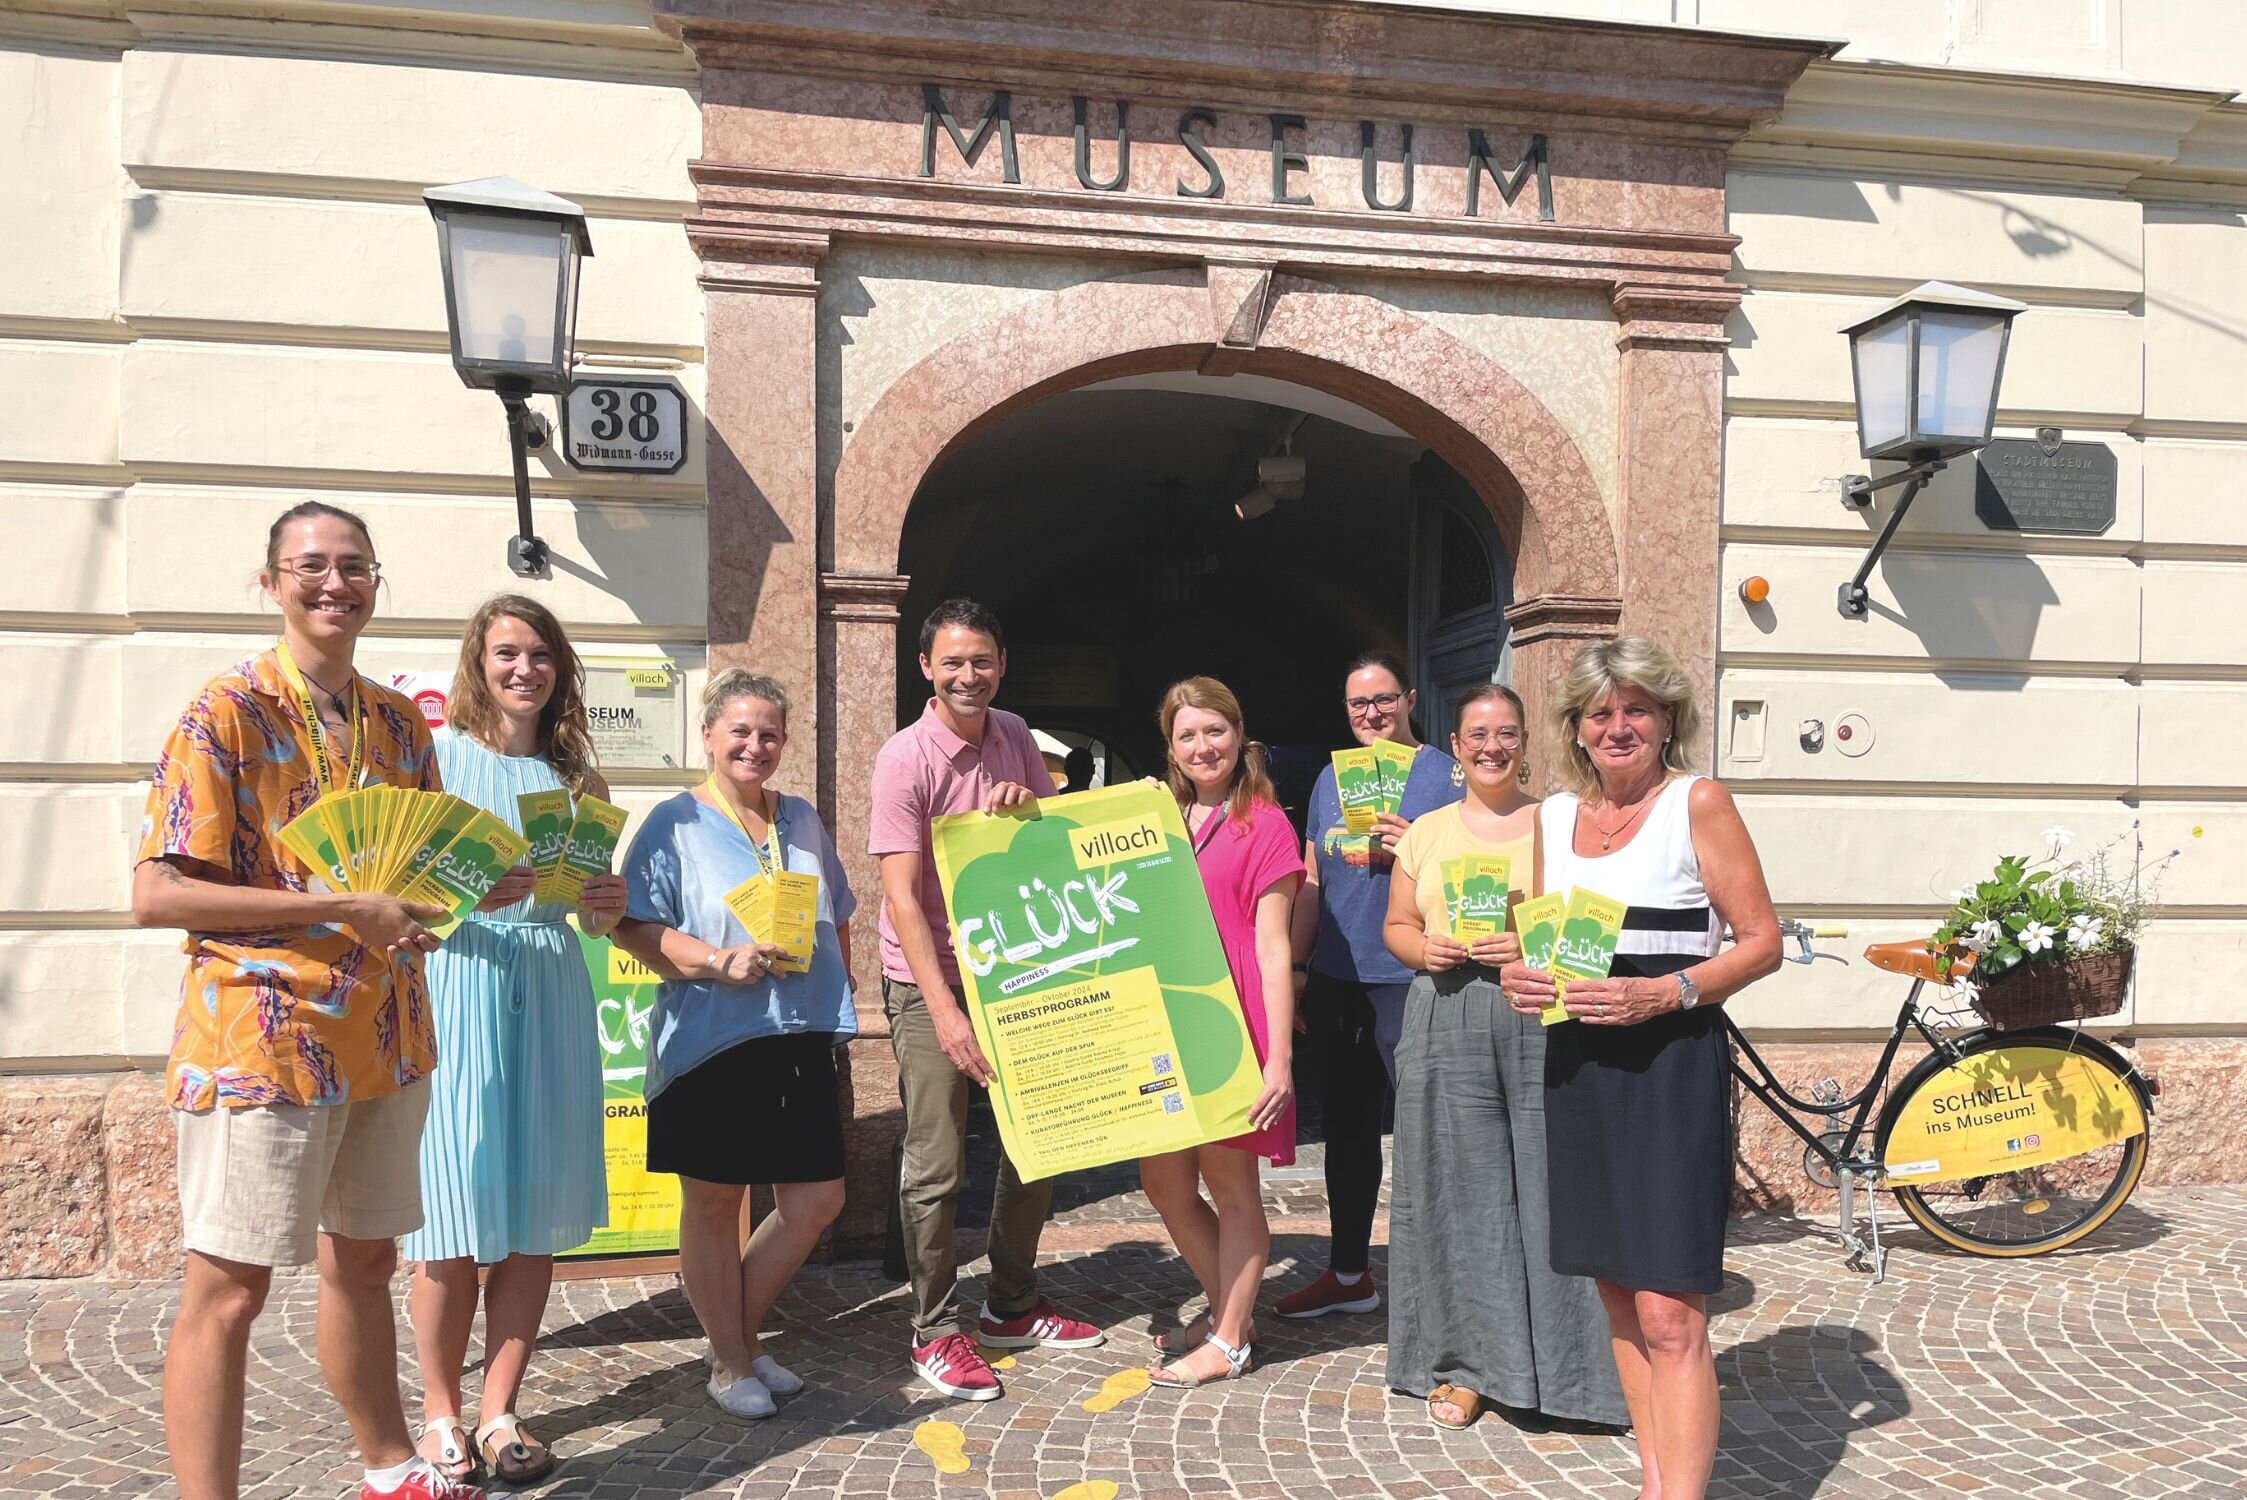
1915	961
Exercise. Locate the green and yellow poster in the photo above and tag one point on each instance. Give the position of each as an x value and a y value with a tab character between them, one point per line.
643	1206
1090	967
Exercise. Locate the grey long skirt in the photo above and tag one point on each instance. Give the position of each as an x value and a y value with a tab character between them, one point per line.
1473	1298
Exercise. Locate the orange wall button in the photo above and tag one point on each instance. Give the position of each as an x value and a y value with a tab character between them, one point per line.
1754	590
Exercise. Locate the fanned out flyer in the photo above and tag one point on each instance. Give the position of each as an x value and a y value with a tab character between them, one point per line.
420	846
782	909
1569	936
1091	970
1369	780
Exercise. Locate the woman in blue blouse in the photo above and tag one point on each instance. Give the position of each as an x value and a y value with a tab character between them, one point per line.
742	1084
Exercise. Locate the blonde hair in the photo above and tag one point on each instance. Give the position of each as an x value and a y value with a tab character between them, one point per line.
1604	667
565	736
1252	782
740	682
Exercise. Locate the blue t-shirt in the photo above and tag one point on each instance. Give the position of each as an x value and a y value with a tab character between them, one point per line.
685	858
1353	892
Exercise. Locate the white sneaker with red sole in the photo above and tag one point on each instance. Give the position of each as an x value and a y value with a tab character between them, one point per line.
1040	1328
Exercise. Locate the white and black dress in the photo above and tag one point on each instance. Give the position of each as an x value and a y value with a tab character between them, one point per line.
1638	1118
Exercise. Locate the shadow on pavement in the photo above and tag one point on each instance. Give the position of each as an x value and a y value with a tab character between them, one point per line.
1791	1400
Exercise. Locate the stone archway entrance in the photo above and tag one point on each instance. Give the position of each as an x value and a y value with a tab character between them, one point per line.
1504	235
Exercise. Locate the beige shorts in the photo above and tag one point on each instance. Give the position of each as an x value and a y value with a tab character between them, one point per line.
257	1185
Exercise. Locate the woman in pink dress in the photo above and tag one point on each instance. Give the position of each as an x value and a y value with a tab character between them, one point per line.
1250	863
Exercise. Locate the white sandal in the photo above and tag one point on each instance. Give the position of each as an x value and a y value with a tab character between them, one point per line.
456	1459
1238	1362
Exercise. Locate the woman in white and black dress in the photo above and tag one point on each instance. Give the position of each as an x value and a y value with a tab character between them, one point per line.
1637	1107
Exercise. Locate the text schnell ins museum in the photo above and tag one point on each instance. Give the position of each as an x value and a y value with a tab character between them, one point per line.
1289	164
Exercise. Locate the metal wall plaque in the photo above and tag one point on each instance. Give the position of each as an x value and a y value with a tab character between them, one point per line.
637	712
625	426
2045	484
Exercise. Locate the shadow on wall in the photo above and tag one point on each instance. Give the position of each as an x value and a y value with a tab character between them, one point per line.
656	581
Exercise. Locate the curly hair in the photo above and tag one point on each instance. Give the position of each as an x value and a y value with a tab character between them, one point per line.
565	737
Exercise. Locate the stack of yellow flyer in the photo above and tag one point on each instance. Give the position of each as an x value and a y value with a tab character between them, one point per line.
1569	936
782	909
1369	780
568	845
1475	887
421	846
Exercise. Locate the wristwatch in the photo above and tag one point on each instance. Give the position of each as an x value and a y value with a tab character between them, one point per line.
1688	993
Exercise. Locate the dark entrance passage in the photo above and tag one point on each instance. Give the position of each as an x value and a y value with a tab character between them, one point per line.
1136	532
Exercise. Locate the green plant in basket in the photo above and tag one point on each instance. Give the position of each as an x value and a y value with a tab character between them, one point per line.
2041	910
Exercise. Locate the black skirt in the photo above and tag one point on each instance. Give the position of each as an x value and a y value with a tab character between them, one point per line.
762	1111
1638	1145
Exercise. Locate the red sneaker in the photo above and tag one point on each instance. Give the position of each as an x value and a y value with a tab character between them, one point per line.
1039	1328
954	1366
1329	1295
424	1483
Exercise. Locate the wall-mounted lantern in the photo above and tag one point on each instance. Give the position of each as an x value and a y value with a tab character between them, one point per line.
1926	369
510	255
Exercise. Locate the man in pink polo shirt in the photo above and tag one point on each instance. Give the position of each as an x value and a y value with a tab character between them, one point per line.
961	755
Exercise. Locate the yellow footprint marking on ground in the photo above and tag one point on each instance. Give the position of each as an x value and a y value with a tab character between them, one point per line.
945	1445
1089	1489
1114	1392
997	1359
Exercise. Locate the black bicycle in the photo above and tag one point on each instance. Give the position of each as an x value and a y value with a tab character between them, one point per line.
2000	1141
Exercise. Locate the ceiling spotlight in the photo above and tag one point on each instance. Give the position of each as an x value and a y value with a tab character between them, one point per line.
1282	474
1257	502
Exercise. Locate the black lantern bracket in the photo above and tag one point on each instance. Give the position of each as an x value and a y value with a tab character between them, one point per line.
1858	490
527	556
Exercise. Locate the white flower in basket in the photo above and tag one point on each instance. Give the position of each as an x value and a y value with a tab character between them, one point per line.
2037	910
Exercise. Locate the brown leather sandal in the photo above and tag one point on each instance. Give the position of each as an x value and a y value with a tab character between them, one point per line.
521	1459
1456	1395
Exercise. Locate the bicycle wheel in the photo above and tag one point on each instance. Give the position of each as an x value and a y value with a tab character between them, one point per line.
2029	1142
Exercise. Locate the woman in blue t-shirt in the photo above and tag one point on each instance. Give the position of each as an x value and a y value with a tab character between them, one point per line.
1353	998
741	1081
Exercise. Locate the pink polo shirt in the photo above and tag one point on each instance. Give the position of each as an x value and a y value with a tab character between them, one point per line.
924	772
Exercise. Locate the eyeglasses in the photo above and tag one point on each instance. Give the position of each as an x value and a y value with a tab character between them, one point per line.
1360	707
1507	739
352	570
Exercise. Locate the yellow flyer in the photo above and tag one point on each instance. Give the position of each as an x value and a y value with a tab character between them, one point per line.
781	909
1475	887
1538	920
1090	967
1357	785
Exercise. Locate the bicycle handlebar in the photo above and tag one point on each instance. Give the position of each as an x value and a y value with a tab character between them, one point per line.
1802	933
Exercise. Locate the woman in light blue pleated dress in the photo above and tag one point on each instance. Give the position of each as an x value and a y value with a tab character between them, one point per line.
512	1167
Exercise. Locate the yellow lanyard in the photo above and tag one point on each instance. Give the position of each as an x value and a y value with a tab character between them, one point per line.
769	859
319	731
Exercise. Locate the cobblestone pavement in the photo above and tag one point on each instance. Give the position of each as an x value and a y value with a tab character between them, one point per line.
2119	1369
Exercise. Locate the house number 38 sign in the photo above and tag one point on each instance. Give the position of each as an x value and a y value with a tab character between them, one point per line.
625	426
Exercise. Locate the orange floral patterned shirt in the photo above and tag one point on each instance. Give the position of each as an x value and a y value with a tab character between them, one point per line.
301	1015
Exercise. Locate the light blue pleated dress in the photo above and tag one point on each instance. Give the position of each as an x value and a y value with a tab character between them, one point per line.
511	1159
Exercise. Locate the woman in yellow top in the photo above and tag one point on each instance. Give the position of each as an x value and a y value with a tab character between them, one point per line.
1476	1315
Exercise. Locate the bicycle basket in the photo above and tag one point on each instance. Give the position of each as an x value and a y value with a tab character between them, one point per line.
2032	994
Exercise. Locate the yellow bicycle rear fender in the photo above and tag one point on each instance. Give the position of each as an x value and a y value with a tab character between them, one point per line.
2007	1109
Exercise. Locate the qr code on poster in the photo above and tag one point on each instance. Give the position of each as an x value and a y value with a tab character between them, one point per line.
1174	1104
1161	1064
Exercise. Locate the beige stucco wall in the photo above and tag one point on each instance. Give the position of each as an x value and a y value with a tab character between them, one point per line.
2012	681
219	296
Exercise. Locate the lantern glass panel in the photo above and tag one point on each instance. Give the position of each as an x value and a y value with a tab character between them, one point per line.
1958	363
506	275
1883	361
